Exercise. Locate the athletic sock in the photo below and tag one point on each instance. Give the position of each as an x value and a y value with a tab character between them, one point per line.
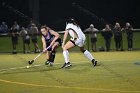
88	55
66	55
52	57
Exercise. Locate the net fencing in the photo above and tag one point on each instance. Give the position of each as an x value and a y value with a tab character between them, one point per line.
6	42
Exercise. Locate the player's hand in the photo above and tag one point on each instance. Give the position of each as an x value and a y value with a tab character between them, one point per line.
45	50
49	48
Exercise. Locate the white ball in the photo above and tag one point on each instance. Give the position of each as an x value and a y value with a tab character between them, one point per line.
28	66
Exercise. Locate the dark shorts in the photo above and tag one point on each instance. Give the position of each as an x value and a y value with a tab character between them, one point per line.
58	40
15	40
93	40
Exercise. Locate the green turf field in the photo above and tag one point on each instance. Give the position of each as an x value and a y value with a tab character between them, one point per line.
116	72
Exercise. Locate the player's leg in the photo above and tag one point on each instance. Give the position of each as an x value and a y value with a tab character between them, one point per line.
67	46
53	52
88	55
80	44
52	57
47	58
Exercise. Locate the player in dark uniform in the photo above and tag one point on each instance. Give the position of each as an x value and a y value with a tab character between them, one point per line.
50	39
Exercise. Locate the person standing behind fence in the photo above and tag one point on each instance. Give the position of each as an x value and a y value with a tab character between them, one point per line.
129	31
118	37
26	40
107	34
14	35
34	37
93	36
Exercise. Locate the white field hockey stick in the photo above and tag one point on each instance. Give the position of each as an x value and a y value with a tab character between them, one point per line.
30	62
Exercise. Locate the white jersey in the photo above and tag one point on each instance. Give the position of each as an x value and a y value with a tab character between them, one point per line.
81	36
73	28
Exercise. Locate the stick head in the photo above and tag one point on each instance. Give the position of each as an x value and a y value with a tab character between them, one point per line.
30	62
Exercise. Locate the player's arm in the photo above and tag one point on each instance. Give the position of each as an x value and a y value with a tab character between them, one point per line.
43	42
65	37
56	36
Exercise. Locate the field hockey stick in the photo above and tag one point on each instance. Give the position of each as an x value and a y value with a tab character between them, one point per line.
30	62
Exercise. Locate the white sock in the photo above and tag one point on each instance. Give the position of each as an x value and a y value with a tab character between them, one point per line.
88	55
66	55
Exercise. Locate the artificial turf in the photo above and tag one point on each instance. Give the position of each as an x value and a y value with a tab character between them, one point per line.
116	72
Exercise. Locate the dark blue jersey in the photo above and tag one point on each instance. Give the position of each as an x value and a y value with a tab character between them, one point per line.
48	38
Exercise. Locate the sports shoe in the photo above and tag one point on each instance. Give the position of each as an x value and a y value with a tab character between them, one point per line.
94	62
47	62
66	65
51	63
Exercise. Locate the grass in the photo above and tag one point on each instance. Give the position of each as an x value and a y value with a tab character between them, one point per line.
116	72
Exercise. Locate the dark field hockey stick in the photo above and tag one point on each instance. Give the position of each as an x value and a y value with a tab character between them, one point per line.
30	62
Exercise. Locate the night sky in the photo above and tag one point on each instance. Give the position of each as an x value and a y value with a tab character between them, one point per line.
54	12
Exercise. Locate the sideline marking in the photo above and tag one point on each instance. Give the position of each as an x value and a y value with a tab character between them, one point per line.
66	87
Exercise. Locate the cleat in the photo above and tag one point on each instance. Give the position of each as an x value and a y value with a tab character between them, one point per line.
51	63
94	62
66	65
47	62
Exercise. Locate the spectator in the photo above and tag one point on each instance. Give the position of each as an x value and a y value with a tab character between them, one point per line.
34	34
118	37
129	31
3	28
93	36
107	34
26	40
14	34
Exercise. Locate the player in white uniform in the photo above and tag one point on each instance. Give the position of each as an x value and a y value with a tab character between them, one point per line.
77	39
